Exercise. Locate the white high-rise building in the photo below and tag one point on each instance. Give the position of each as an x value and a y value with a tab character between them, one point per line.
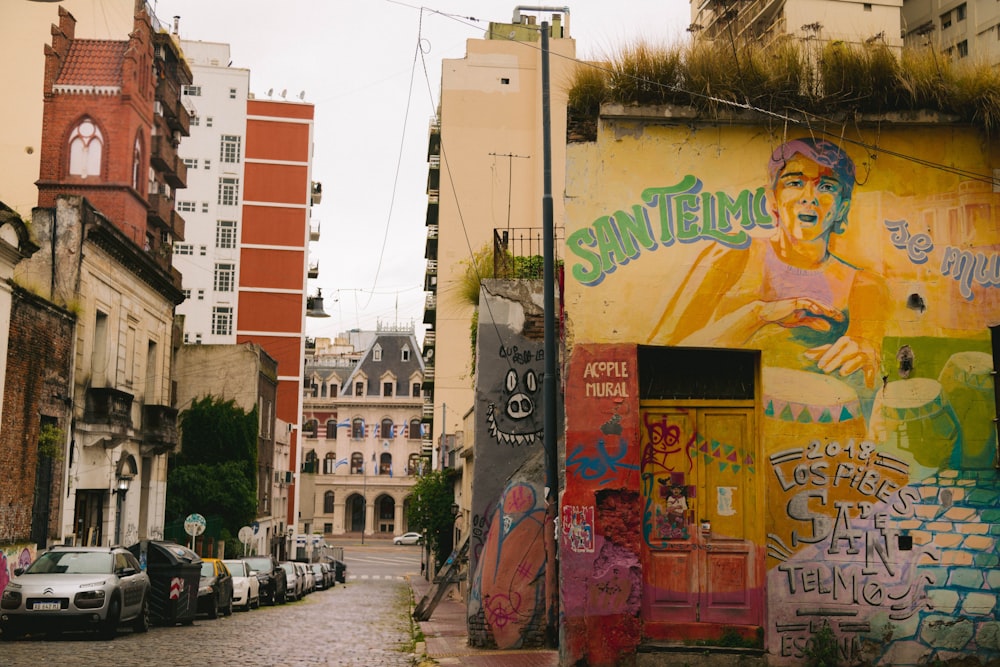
208	258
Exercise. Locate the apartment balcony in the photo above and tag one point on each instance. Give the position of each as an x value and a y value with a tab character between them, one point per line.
433	181
427	414
430	309
314	270
314	231
168	94
434	162
427	446
164	158
107	417
434	138
432	211
159	430
431	246
431	276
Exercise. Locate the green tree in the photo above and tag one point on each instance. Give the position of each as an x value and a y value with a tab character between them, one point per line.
430	510
216	471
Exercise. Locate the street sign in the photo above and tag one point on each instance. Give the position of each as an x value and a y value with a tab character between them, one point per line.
256	527
194	525
245	534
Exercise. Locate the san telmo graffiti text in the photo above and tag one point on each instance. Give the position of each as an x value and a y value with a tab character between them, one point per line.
680	212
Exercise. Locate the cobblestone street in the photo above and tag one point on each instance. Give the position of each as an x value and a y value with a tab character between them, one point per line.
362	624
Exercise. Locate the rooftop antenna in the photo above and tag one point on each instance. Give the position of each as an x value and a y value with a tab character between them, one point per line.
283	93
270	91
302	95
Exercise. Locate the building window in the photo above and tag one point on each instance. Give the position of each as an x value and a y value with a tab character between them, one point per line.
186	293
183	249
405	354
208	163
387	389
377	353
416	390
229	191
413	465
359	388
209	120
232	93
414	430
197	339
309	429
357	428
225	277
387	429
946	20
331	429
193	91
328	502
328	528
201	295
963	49
225	233
204	207
191	162
187	338
357	463
195	121
86	145
385	464
185	207
229	148
960	12
202	250
136	163
222	320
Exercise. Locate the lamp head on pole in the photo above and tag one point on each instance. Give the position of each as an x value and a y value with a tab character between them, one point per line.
314	305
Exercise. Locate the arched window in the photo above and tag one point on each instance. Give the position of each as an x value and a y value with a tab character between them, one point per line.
413	465
136	163
358	428
329	464
414	433
310	428
385	464
387	429
331	429
86	147
328	502
357	463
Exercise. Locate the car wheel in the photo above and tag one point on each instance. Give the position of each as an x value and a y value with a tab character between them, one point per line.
213	609
110	626
228	609
282	596
141	622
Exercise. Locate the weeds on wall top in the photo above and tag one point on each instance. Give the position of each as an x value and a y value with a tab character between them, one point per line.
786	77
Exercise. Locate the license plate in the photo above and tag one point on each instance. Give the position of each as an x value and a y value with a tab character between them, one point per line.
46	606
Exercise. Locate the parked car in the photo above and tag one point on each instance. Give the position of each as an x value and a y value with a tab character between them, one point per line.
272	578
323	575
246	586
295	582
215	590
408	538
308	580
67	588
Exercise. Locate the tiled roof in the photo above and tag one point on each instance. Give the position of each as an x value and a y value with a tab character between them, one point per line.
93	62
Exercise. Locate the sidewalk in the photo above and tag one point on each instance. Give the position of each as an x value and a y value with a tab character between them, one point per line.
446	640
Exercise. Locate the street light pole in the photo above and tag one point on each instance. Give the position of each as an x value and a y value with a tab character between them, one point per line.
364	499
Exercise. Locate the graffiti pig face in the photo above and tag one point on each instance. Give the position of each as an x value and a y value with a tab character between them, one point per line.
516	423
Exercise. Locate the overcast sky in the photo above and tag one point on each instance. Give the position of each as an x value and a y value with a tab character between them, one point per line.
375	92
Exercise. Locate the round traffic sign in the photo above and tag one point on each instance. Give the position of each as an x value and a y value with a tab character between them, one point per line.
194	525
245	534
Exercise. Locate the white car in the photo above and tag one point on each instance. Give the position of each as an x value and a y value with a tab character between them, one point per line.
246	586
408	538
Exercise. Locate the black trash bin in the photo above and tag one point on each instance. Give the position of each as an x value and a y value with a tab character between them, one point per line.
174	574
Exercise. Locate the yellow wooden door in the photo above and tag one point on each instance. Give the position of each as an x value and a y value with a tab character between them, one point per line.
702	520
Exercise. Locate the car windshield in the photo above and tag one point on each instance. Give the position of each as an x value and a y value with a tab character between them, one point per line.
206	569
237	568
288	567
72	562
260	564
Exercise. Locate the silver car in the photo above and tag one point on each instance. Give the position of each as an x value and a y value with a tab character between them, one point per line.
72	588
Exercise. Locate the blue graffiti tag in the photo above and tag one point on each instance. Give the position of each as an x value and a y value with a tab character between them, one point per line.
601	467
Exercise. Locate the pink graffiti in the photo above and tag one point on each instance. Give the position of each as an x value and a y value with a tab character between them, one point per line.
502	609
520	498
664	440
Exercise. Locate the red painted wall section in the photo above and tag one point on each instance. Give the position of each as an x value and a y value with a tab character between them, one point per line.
283	183
270	225
275	312
600	512
277	141
273	269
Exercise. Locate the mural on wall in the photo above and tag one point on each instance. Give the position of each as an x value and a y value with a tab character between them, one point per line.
11	558
868	284
508	588
515	417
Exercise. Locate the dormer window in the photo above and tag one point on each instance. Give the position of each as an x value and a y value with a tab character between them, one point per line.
377	353
405	354
86	145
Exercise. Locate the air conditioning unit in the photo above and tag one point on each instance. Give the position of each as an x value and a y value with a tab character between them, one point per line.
289	477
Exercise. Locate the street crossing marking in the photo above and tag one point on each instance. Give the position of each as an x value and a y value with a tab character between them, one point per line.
387	577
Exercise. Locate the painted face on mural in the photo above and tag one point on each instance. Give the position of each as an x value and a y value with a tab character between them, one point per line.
808	199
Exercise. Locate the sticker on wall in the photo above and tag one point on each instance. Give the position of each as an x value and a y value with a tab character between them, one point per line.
578	527
724	500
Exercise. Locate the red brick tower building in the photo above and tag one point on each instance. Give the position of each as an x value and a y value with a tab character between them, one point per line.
111	126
